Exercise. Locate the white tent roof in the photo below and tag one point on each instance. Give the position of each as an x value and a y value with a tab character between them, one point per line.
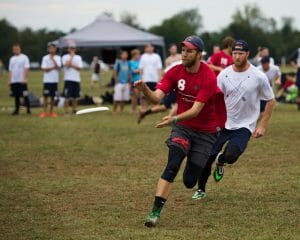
106	32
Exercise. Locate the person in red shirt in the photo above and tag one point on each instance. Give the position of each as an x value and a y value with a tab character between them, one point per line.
222	59
201	113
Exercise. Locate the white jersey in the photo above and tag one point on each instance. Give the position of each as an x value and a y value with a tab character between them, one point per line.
150	65
71	74
17	66
53	75
243	92
272	73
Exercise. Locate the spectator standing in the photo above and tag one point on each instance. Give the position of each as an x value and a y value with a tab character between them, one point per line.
18	77
295	61
51	64
273	74
174	55
262	52
134	64
122	75
72	65
151	69
96	70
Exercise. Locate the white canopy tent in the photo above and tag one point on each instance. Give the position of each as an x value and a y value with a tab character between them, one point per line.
106	32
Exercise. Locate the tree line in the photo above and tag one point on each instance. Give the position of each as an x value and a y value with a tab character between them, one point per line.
248	23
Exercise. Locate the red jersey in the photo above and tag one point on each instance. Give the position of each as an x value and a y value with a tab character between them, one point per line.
200	87
221	59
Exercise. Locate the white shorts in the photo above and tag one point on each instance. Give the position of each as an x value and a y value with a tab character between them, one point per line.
95	77
122	92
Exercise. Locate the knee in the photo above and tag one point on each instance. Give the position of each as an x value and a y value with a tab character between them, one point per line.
189	183
232	154
170	172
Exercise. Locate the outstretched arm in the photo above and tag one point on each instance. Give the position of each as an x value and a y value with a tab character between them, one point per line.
189	114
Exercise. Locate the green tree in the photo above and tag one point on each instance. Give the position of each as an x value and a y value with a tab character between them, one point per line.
9	35
130	19
179	26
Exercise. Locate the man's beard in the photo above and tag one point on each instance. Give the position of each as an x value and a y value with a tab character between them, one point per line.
189	63
240	64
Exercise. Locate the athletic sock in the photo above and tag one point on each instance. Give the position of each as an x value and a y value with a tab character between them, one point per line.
158	204
17	104
27	104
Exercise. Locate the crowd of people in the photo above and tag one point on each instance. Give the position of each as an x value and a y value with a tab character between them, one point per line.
145	66
221	102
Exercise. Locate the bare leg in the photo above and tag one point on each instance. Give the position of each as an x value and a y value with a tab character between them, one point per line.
122	104
115	106
163	188
134	100
45	103
74	105
66	105
52	104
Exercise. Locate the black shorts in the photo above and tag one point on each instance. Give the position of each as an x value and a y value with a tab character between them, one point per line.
50	89
196	145
19	89
169	99
71	89
151	85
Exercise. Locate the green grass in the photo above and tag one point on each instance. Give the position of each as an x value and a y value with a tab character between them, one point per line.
94	177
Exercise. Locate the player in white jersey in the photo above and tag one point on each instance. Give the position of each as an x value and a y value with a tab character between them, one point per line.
72	65
18	77
243	86
273	74
51	64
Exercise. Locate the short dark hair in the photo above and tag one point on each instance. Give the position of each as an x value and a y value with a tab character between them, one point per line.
16	44
172	45
227	42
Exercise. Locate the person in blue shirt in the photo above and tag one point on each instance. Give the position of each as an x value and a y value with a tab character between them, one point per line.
122	75
134	66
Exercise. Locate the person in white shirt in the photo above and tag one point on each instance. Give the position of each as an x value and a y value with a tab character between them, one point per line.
243	86
150	69
51	64
174	55
18	77
273	74
262	52
72	65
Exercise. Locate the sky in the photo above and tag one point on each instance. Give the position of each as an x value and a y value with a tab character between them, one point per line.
66	14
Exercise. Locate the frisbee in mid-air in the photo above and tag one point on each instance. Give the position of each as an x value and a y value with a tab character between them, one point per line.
91	110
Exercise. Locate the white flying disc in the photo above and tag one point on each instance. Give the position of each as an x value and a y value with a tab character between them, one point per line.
90	110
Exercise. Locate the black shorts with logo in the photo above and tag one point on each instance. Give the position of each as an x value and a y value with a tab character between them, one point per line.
71	89
19	89
50	89
196	145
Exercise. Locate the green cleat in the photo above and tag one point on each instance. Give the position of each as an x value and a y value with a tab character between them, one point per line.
219	172
152	219
199	194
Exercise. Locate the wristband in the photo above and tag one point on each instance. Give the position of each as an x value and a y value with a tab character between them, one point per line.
175	120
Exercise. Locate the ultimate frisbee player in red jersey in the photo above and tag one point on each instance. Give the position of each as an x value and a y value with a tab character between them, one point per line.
201	113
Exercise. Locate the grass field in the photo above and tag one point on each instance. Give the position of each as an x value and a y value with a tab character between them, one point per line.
94	177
